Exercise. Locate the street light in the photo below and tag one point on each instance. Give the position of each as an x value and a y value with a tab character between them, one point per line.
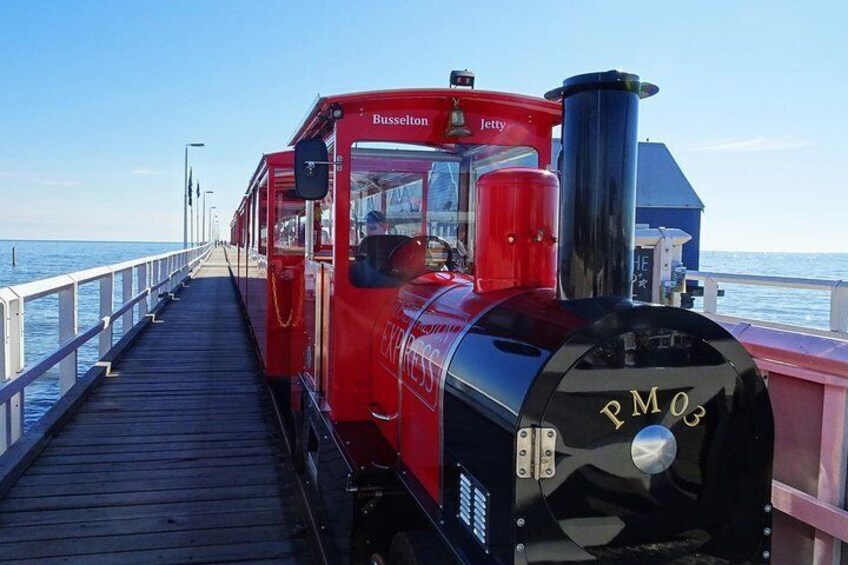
185	193
205	192
210	218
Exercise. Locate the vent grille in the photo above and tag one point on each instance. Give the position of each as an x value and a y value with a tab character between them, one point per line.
473	507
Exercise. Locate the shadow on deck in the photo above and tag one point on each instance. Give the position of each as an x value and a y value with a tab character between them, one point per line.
173	458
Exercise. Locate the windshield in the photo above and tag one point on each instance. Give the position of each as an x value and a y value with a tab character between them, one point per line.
412	207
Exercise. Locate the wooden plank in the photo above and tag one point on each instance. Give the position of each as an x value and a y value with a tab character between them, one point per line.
39	469
251	397
146	497
246	415
84	515
138	456
199	427
178	404
119	376
178	522
65	440
209	480
276	551
133	384
159	447
123	544
164	367
196	474
161	428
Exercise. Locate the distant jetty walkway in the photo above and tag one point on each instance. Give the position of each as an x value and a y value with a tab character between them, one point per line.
174	458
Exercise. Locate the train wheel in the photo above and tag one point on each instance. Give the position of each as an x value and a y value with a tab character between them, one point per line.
420	547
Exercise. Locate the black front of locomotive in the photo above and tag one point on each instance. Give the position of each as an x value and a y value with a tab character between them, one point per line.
591	428
664	443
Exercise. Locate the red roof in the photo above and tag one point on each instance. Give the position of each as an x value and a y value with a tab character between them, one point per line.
313	123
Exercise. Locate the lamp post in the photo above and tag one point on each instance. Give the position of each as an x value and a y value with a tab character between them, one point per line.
185	193
211	208
205	192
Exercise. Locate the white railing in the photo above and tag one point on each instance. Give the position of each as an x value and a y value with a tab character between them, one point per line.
157	278
838	291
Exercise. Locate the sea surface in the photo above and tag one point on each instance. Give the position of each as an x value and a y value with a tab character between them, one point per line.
810	308
42	259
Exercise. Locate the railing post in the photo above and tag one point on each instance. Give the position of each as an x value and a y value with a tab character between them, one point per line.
11	363
67	330
833	467
5	372
126	296
107	297
839	307
157	270
170	267
143	306
710	296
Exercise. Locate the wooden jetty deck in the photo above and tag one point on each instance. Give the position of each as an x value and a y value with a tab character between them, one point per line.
176	459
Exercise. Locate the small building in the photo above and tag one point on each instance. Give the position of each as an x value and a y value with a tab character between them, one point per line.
664	197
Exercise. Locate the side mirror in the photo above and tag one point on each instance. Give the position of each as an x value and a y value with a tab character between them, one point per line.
311	169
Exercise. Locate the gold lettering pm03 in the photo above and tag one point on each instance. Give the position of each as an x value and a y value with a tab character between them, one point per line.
641	406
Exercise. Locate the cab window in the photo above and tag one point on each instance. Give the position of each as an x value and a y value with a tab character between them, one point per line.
412	207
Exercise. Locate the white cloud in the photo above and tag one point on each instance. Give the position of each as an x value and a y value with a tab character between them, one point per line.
146	172
34	179
19	175
779	143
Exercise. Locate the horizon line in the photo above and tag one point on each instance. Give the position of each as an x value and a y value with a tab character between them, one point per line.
96	241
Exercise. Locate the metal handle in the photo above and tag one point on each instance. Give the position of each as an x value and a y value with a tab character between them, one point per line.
378	413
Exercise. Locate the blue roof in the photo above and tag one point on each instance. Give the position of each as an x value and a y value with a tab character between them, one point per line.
660	183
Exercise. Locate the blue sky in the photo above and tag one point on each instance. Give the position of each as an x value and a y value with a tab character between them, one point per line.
97	99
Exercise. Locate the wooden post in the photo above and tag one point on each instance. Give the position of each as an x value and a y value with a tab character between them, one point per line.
107	296
14	259
126	296
710	296
839	307
157	278
4	372
68	328
143	306
832	467
11	363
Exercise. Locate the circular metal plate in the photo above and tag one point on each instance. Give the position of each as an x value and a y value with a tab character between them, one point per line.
653	449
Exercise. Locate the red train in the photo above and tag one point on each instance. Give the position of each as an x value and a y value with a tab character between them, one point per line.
450	338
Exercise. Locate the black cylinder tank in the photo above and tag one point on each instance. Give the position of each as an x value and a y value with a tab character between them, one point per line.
598	183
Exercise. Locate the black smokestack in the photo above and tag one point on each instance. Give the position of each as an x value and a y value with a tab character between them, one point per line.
598	183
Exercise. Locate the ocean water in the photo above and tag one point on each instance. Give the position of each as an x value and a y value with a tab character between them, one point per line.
798	307
43	259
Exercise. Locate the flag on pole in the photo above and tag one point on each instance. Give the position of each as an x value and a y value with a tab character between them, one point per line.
198	191
189	186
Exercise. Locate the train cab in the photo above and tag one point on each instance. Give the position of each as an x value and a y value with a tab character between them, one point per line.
406	167
402	203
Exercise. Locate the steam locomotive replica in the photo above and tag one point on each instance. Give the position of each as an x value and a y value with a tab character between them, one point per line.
445	320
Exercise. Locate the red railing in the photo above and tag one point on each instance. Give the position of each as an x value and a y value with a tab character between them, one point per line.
807	377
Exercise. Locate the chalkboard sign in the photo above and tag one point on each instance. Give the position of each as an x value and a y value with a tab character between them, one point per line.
643	274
